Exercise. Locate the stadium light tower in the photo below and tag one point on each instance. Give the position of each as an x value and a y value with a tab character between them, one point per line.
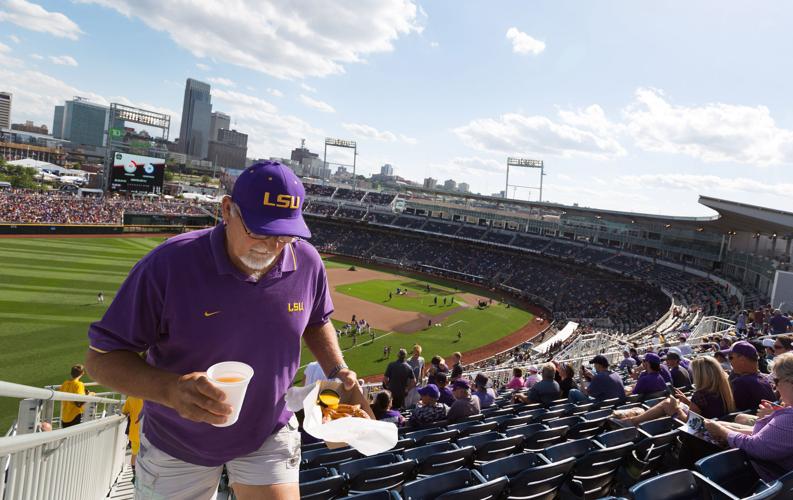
525	163
342	143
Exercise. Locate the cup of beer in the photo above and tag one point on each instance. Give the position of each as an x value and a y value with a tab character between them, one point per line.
231	377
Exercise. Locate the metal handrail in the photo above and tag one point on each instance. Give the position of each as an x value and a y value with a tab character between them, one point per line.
11	390
22	442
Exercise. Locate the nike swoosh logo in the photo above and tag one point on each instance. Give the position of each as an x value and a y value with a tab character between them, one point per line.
207	314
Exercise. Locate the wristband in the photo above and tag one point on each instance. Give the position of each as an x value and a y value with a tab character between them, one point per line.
336	369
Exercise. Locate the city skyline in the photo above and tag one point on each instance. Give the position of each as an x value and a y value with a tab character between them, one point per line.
624	114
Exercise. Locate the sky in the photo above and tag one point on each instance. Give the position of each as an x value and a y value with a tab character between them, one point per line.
635	106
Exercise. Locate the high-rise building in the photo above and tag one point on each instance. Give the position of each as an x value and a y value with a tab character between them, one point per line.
450	184
57	122
232	137
84	122
216	122
5	109
387	170
298	154
230	149
463	187
430	183
194	134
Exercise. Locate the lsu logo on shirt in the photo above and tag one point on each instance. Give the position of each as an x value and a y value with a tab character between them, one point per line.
282	201
295	307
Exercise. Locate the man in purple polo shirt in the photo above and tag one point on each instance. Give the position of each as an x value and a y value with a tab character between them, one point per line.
247	290
651	380
749	386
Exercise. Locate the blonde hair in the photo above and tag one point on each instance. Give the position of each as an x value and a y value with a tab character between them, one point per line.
783	367
548	371
709	376
417	349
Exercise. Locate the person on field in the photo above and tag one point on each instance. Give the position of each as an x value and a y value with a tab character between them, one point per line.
248	290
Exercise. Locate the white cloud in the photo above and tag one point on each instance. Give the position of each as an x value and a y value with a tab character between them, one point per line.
275	92
63	60
523	43
14	38
4	48
367	131
581	133
36	18
704	183
279	37
710	132
37	57
216	80
434	45
238	98
316	104
307	87
202	66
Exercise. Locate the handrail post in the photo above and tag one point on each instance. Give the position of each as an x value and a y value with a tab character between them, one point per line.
28	417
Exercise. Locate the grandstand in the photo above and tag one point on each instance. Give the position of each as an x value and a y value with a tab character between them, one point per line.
610	280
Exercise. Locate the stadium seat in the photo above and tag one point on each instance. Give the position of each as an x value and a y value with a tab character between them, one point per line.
597	414
564	421
648	454
492	445
618	437
529	475
540	440
441	457
594	473
434	486
484	491
473	418
681	485
606	404
535	414
376	495
497	412
402	445
732	470
659	426
385	471
476	428
328	458
551	415
586	428
649	403
316	473
513	422
575	449
313	446
654	395
324	488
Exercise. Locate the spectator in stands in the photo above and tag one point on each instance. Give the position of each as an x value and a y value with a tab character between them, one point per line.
399	378
544	391
712	399
768	443
779	323
464	404
627	362
72	412
532	378
446	397
429	409
486	395
680	376
132	408
238	278
457	366
437	365
740	323
381	407
603	384
517	381
650	381
635	355
685	348
417	363
723	361
783	344
565	376
749	386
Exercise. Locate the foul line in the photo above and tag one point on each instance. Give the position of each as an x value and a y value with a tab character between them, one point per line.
456	322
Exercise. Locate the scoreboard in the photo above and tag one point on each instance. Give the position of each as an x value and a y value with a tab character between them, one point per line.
137	174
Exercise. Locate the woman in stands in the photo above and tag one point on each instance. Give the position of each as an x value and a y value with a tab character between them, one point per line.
768	443
566	379
382	408
517	379
712	399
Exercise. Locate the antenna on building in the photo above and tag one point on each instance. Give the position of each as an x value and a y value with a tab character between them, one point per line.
302	144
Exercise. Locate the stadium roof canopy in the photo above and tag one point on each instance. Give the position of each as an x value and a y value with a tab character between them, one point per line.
731	216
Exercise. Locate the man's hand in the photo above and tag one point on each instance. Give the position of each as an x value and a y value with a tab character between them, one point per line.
195	398
348	377
716	430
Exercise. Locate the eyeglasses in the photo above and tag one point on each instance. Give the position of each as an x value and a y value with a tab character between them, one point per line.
285	240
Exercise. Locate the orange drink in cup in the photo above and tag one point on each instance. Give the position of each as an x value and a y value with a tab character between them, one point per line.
231	377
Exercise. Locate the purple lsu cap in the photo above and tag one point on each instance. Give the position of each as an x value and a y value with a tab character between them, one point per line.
652	357
742	348
270	197
430	390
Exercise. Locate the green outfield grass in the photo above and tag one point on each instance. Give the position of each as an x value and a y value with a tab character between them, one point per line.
418	299
48	297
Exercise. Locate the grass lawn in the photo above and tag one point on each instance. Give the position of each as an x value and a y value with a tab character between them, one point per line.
48	290
417	298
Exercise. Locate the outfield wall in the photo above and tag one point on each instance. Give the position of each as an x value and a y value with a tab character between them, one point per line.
89	229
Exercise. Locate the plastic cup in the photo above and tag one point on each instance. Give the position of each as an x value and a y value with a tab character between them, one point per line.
231	377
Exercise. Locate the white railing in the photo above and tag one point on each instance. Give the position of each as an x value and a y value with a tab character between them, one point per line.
80	463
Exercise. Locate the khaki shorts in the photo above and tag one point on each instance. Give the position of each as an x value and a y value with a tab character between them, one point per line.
159	476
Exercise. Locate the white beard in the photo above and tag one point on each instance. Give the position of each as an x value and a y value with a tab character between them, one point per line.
257	262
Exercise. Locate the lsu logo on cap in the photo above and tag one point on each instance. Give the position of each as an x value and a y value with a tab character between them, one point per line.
295	307
282	201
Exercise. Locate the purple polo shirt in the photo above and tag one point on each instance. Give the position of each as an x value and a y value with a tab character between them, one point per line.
190	308
648	383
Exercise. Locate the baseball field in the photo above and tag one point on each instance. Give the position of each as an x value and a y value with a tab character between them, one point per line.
49	287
